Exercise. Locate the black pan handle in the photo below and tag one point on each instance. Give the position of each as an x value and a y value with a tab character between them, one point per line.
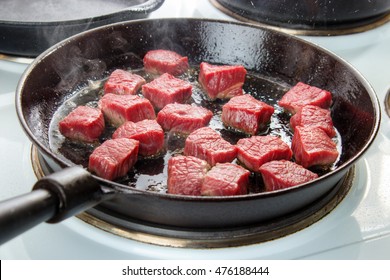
54	198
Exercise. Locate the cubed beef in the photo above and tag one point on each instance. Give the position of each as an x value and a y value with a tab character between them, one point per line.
148	132
83	124
164	61
121	108
183	118
281	174
311	146
226	179
114	158
222	81
257	150
167	89
302	94
123	82
205	143
186	174
247	114
314	116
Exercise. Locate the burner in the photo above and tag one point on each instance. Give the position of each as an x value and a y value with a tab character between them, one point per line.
297	26
102	219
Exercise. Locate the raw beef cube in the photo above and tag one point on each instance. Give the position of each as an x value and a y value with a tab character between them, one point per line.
186	174
302	94
314	116
148	132
83	123
120	108
123	82
167	89
246	113
257	150
226	179
280	174
223	81
205	143
164	61
312	146
114	158
183	118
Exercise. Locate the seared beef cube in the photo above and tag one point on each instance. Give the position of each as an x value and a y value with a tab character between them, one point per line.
222	81
205	143
312	146
186	174
148	132
247	114
257	150
121	108
314	116
83	123
167	89
183	118
302	94
164	61
281	174
123	82
226	179
114	158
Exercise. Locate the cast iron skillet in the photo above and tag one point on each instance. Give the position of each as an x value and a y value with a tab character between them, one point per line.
310	14
279	58
28	28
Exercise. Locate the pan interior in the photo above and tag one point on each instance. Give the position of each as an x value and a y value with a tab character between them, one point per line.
151	174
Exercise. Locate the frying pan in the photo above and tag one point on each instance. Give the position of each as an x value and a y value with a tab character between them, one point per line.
280	59
27	28
310	14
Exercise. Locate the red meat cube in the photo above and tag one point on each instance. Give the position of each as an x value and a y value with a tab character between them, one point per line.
148	132
164	61
314	116
186	174
226	179
222	81
114	158
312	146
247	114
302	94
183	118
83	123
121	108
123	82
253	152
205	143
167	89
281	174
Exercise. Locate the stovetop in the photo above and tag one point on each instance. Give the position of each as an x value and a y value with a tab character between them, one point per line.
358	228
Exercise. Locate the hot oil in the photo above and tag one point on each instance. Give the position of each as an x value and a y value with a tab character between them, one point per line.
151	173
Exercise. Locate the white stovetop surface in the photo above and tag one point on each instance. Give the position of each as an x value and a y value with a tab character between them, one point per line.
359	228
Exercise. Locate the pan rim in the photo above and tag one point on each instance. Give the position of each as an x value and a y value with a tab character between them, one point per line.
146	7
343	168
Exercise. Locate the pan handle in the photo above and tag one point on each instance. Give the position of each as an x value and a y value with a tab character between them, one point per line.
54	198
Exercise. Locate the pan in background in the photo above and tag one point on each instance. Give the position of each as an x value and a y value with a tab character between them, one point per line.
310	17
27	28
